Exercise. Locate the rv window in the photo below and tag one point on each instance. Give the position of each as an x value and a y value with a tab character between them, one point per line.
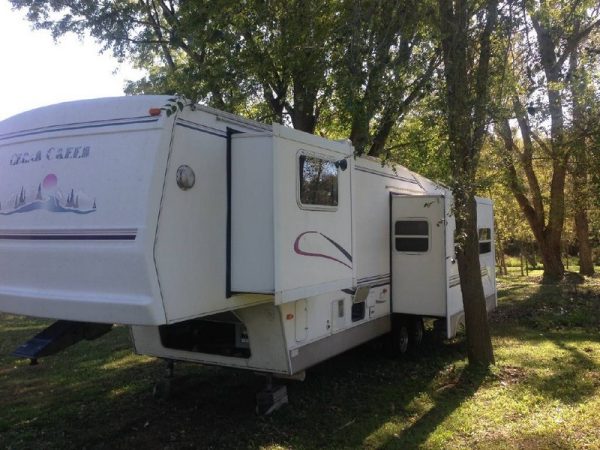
485	240
411	236
318	182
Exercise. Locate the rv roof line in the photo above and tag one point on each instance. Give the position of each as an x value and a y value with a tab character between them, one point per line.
417	180
232	118
404	190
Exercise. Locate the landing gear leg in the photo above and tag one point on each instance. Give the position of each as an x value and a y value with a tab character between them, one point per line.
271	398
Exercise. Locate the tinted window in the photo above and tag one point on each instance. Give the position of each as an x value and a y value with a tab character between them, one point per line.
318	181
412	227
412	244
411	236
485	234
485	240
485	247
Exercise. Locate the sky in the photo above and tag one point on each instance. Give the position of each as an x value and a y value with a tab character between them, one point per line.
36	71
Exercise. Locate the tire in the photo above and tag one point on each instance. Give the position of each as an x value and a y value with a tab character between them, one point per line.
416	331
401	338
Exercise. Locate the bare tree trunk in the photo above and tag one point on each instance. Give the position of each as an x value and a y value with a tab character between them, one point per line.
580	170
479	344
554	270
547	234
582	230
467	90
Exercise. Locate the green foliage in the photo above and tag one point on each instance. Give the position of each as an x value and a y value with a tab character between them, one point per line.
174	105
316	65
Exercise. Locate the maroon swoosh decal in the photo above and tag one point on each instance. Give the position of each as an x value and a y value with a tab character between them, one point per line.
318	255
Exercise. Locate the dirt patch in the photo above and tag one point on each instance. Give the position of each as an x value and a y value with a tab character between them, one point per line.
510	375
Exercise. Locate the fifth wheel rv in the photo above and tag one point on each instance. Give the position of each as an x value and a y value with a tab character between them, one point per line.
217	239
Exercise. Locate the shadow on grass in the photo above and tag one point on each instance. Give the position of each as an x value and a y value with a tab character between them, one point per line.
554	322
549	307
446	402
94	397
75	404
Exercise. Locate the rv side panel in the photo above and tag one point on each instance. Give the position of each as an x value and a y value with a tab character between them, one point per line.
372	184
313	242
252	242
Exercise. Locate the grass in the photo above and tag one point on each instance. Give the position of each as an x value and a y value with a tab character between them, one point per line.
544	391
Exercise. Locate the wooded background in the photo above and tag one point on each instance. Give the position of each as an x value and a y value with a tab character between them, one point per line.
493	98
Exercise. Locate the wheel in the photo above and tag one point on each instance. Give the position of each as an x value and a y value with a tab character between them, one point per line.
417	330
401	338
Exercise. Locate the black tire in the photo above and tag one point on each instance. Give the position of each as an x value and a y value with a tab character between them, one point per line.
416	331
401	338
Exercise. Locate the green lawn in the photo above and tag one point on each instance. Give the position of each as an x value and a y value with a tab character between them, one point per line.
543	393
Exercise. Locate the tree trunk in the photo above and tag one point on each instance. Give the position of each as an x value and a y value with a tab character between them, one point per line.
479	344
582	230
580	159
467	91
554	270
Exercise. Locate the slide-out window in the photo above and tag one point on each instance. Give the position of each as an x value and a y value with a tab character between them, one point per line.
411	236
318	182
485	240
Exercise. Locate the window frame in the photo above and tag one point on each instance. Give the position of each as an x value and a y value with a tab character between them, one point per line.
413	236
309	206
486	242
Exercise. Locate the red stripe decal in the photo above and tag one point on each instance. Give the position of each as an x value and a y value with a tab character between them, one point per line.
317	255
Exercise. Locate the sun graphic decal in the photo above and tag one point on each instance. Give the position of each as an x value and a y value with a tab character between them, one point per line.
48	196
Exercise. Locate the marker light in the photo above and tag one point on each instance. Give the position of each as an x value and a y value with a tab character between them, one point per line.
154	111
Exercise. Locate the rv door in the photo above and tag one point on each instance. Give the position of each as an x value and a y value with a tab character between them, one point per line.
418	255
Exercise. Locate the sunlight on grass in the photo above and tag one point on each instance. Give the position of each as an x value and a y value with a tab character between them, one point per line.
544	391
127	361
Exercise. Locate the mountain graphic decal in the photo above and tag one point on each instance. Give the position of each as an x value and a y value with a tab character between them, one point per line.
48	197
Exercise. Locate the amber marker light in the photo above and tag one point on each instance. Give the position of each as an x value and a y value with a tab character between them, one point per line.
154	112
289	316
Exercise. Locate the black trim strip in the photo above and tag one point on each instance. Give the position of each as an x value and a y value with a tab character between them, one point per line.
390	254
81	126
201	128
69	237
118	234
228	292
386	175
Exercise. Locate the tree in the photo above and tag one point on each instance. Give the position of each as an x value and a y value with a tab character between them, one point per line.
580	90
358	64
540	68
382	65
466	30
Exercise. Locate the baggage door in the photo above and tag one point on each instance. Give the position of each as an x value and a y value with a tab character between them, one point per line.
418	255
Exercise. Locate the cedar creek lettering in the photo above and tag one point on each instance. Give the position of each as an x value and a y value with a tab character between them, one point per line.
53	153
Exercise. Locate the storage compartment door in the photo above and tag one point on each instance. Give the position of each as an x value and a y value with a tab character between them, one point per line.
418	255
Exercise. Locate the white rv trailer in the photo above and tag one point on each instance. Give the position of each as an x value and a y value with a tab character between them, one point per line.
221	240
